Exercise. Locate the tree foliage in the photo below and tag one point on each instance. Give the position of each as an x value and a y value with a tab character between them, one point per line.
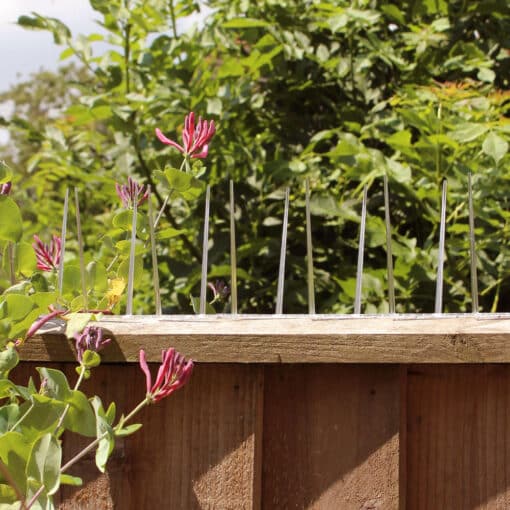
338	92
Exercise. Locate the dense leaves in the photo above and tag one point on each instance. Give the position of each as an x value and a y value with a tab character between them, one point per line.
339	92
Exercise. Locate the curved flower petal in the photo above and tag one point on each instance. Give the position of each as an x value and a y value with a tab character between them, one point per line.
163	139
203	154
145	370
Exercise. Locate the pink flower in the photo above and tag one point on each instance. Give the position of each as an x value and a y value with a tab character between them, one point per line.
48	257
130	192
173	373
5	189
195	139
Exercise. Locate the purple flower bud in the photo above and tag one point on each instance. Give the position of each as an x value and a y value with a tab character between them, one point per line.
5	188
90	339
220	290
130	192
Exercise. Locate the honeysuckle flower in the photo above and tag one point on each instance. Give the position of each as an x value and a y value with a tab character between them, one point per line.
195	138
90	339
48	257
130	192
173	373
5	188
220	290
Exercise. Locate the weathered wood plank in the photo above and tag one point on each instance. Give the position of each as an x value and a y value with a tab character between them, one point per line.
197	449
331	437
458	438
296	339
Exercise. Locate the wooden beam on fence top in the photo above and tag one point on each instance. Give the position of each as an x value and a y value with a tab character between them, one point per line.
479	338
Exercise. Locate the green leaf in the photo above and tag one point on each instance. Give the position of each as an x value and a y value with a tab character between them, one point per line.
245	23
11	224
375	231
8	388
55	384
91	359
44	463
110	413
178	180
80	417
97	278
18	306
468	131
9	358
487	75
168	233
324	205
495	147
76	322
214	106
8	498
123	270
5	173
14	452
43	417
195	304
123	219
128	430
72	280
26	261
107	443
124	247
66	479
9	414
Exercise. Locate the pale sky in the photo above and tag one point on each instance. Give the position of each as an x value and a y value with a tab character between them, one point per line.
23	51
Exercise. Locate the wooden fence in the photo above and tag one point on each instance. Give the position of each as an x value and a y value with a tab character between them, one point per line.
390	412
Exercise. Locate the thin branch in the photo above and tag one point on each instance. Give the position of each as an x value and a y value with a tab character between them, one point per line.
189	245
174	21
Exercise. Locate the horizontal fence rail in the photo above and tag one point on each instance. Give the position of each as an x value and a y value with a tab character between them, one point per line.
427	338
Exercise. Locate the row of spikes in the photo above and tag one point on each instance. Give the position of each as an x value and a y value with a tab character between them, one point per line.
281	271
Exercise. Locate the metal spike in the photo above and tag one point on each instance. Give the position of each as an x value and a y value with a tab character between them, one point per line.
80	250
440	258
63	243
233	253
309	252
131	269
472	248
389	253
155	272
205	249
283	252
361	250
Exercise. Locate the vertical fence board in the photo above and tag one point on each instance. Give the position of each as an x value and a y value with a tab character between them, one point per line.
458	437
196	449
331	437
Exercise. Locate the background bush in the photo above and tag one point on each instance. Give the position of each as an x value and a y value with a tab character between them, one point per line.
338	92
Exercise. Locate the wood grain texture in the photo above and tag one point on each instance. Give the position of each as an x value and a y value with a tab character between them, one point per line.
198	448
331	437
458	437
298	339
